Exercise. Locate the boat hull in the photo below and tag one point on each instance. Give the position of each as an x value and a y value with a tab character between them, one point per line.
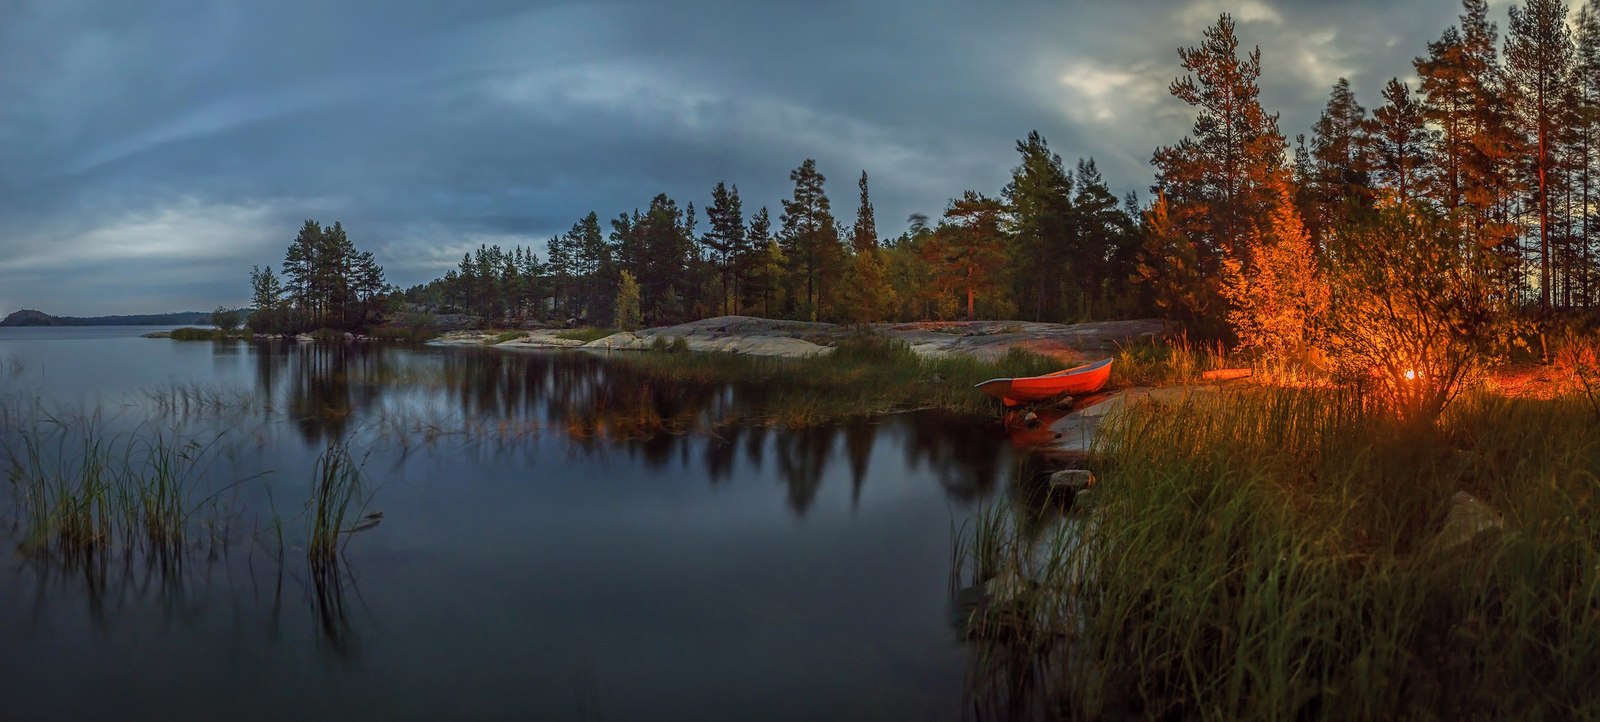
1077	381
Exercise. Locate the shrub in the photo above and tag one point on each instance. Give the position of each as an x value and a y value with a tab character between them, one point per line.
1418	311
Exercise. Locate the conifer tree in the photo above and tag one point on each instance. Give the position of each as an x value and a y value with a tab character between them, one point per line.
810	237
1040	221
1217	182
725	239
1539	61
1400	137
967	251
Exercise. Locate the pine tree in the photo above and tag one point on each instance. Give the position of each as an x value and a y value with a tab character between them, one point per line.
1400	137
1040	221
1587	121
1217	182
725	239
810	237
1341	160
1539	62
864	234
1103	231
967	251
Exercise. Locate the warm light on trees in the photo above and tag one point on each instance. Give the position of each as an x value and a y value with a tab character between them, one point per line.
1277	297
1414	319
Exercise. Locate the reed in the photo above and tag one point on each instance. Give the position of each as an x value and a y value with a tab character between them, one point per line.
336	499
1276	554
79	490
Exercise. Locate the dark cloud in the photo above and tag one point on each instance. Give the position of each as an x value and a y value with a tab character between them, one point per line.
151	152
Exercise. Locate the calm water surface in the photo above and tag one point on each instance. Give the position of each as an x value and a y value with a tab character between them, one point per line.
546	552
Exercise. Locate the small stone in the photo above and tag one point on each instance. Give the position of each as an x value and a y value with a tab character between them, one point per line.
1083	499
1030	419
1076	480
937	378
349	336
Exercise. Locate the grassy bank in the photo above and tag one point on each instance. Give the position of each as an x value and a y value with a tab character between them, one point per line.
1277	554
190	333
864	376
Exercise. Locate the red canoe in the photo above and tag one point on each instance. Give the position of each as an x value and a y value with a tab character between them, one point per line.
1076	381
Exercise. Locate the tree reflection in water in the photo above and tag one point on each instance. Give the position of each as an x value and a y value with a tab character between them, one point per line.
496	402
335	391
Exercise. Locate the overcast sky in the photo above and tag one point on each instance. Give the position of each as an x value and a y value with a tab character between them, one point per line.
151	152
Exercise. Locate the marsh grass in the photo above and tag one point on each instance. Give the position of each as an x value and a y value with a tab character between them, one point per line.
505	336
1275	554
78	489
585	334
190	333
336	501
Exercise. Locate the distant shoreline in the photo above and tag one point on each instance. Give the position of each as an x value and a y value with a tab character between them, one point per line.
34	318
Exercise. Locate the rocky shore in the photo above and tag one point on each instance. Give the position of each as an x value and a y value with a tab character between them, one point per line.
765	337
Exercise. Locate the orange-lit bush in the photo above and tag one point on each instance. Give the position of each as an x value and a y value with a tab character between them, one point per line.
1277	298
1577	361
1419	310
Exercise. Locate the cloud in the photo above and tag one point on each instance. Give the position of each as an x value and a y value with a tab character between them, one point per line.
163	148
1202	13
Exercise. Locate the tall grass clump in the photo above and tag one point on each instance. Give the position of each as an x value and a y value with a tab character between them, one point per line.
1277	554
1150	362
79	490
336	500
68	503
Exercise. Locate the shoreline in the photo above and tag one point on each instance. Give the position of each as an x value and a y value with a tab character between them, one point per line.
751	336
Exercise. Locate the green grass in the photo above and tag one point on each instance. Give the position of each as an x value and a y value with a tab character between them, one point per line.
585	334
505	336
208	334
416	332
1274	554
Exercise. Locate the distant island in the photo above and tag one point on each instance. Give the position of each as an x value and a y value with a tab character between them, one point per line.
30	317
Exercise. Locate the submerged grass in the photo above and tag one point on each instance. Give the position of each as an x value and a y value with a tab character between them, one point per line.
1277	554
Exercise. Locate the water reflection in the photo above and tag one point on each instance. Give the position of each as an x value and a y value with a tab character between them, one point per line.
548	506
332	392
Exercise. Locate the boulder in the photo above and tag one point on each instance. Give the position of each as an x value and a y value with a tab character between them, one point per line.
1467	518
1074	480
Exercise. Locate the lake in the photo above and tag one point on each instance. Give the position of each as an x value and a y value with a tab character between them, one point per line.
561	538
